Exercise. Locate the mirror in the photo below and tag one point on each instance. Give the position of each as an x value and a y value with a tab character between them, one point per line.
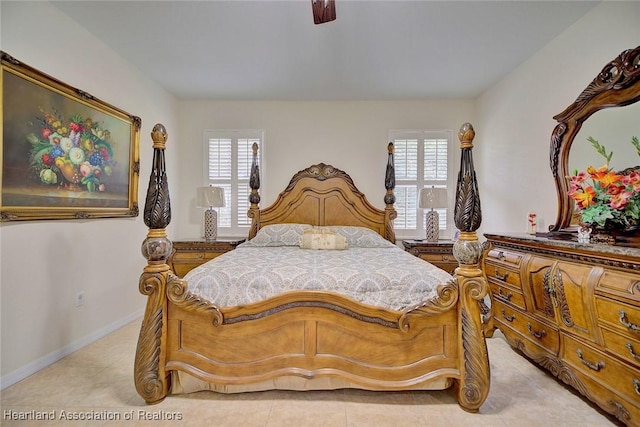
617	85
612	128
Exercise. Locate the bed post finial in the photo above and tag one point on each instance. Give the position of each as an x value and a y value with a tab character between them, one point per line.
390	197
473	386
254	197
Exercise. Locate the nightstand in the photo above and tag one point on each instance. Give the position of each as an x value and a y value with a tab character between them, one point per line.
188	254
438	253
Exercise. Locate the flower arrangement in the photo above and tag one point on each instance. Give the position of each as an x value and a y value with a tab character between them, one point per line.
605	198
75	152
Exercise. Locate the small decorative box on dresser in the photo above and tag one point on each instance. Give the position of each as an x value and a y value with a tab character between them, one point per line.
575	310
438	253
188	254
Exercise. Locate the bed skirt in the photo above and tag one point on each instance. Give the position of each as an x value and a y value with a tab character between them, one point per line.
183	383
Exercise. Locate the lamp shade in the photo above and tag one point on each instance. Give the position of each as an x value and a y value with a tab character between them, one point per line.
433	198
210	197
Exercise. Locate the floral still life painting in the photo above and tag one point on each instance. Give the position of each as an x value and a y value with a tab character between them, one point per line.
607	199
65	154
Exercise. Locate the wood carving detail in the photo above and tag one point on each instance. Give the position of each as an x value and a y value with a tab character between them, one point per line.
475	386
320	304
619	411
445	300
178	294
149	376
157	209
476	375
467	211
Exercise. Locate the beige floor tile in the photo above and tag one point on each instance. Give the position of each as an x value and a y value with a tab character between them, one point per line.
99	377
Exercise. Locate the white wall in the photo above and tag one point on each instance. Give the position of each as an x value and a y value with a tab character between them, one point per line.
351	136
45	263
515	117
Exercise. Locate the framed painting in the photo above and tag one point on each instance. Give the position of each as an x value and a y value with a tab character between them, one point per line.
64	154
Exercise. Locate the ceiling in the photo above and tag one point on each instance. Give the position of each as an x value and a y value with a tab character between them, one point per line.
374	50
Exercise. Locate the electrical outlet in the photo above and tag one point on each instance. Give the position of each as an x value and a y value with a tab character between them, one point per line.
79	299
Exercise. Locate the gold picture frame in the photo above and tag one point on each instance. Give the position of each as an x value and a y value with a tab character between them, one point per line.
64	154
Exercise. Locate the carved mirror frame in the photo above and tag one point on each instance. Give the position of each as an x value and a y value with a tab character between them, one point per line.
617	85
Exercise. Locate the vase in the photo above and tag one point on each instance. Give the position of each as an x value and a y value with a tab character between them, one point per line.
72	176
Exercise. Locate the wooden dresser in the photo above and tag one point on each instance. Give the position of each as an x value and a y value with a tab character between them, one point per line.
188	254
575	310
438	253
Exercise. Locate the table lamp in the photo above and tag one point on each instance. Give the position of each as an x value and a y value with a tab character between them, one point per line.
433	198
210	198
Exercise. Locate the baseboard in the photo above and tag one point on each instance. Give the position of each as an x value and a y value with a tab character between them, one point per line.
41	363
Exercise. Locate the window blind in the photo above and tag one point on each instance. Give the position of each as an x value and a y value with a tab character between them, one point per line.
229	155
421	160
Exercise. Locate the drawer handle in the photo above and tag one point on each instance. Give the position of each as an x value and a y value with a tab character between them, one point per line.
636	386
508	318
633	353
536	334
625	322
501	255
506	297
594	366
502	277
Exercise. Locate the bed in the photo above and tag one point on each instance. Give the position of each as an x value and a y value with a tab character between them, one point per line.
407	325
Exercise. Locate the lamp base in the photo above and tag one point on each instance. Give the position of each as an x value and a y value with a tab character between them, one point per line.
210	224
432	226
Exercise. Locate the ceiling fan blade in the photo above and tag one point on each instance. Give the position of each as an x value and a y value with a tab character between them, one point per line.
323	11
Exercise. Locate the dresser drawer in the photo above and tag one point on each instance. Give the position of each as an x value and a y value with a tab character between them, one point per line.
507	295
194	256
499	274
503	256
619	284
616	375
618	316
540	333
439	258
622	346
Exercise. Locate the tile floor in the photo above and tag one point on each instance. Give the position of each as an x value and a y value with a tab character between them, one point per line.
98	380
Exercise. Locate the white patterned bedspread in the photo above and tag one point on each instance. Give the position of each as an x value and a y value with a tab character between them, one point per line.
385	276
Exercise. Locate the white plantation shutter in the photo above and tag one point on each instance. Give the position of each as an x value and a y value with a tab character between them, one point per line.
229	155
421	160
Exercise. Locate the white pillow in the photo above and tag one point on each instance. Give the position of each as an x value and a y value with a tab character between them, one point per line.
278	235
360	237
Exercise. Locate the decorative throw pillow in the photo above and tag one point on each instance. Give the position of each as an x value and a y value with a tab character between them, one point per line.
323	238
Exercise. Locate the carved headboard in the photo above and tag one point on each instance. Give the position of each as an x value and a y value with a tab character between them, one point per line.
324	195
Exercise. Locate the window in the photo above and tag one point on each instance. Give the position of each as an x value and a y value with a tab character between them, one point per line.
228	157
421	160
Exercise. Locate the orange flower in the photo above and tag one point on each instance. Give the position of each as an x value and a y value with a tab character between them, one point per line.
585	198
604	176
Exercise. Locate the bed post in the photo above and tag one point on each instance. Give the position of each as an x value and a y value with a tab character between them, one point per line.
254	197
389	199
473	385
151	379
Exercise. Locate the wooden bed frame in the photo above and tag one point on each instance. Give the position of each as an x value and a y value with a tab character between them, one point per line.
313	335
